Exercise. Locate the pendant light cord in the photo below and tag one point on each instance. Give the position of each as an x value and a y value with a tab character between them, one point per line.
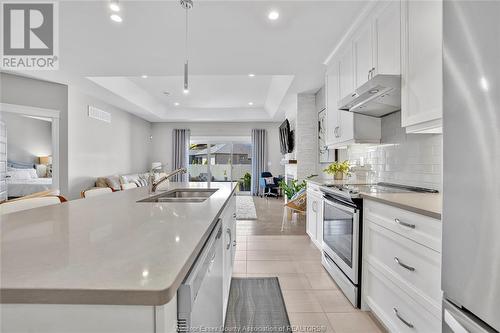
186	37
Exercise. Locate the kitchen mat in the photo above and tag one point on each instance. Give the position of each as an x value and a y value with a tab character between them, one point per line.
256	305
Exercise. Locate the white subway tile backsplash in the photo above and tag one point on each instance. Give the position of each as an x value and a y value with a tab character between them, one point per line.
410	159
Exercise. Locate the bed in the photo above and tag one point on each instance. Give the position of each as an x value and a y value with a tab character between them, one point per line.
23	179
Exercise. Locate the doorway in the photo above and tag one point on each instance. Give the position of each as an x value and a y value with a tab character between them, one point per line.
30	154
221	159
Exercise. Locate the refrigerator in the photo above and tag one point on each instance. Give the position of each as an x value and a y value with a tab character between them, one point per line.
471	166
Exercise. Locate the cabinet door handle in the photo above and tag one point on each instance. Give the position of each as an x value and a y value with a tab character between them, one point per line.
234	243
411	269
234	215
373	71
404	321
404	224
369	74
230	237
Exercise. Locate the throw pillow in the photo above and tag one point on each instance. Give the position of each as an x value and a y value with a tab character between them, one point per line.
269	180
114	183
141	182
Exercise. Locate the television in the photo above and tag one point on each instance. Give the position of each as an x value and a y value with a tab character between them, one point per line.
286	138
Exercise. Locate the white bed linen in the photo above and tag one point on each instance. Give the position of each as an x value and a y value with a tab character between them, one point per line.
22	187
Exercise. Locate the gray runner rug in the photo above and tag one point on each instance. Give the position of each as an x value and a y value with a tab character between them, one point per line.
256	305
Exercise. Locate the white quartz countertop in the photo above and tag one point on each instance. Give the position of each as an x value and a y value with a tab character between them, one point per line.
105	250
429	204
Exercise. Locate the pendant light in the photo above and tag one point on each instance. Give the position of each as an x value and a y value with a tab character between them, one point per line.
187	5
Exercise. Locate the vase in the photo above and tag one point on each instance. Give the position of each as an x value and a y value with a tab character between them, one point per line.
338	176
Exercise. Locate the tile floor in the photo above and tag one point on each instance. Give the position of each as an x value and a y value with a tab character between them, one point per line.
312	298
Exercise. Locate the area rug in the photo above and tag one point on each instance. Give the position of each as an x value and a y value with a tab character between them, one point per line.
245	208
256	305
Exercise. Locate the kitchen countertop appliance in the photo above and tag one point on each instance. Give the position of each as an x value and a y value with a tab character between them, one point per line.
199	298
471	160
342	232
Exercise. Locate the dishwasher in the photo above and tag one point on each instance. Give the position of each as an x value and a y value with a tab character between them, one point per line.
199	298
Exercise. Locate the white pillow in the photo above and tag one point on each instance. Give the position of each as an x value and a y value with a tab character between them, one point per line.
41	170
19	174
269	180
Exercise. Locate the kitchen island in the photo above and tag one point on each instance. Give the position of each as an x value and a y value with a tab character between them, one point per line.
108	263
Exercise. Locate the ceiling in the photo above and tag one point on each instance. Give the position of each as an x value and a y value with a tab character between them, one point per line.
228	40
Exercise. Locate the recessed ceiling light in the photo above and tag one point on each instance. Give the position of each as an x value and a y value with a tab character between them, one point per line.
250	103
114	6
144	76
484	83
176	103
251	75
273	15
185	91
116	18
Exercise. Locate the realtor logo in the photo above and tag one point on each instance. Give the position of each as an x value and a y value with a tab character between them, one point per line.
29	36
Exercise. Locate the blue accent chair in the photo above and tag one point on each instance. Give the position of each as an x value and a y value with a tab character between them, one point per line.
266	189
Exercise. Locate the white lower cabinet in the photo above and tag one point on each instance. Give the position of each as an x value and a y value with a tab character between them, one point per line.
402	268
229	228
314	214
397	311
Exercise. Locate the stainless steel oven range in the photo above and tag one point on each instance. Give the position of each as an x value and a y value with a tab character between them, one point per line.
342	232
342	239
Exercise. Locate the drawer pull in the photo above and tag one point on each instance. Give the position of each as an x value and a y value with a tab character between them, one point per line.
404	224
411	269
410	325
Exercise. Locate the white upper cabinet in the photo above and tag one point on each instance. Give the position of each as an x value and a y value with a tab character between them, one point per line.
344	127
332	97
387	38
346	71
363	53
422	87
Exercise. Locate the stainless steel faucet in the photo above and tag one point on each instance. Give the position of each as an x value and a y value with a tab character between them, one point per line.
170	175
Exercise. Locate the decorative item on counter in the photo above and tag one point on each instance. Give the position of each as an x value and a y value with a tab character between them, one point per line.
363	173
338	170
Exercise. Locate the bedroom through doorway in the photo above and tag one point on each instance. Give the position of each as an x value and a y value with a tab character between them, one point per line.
29	146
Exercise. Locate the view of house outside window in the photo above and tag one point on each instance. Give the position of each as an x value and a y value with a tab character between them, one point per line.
223	162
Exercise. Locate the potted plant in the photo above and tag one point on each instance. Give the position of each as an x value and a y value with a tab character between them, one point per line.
291	189
245	182
338	170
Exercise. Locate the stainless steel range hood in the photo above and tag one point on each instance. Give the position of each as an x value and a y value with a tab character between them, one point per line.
378	97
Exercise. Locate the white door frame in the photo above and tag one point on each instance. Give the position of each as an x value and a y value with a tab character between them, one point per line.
46	113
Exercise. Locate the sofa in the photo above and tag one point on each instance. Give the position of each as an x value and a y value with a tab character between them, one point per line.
115	182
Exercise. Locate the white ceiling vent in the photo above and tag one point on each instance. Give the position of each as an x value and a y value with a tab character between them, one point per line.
99	114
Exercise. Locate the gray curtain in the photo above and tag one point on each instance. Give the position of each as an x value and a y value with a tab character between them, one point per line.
180	153
259	157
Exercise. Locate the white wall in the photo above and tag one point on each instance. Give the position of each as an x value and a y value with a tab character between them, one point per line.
162	139
27	138
98	148
15	89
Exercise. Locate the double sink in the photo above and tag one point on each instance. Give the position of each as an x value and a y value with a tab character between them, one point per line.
186	195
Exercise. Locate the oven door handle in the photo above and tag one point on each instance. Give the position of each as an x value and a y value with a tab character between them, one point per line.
340	206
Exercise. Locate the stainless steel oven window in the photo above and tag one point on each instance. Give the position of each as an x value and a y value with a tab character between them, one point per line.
339	231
